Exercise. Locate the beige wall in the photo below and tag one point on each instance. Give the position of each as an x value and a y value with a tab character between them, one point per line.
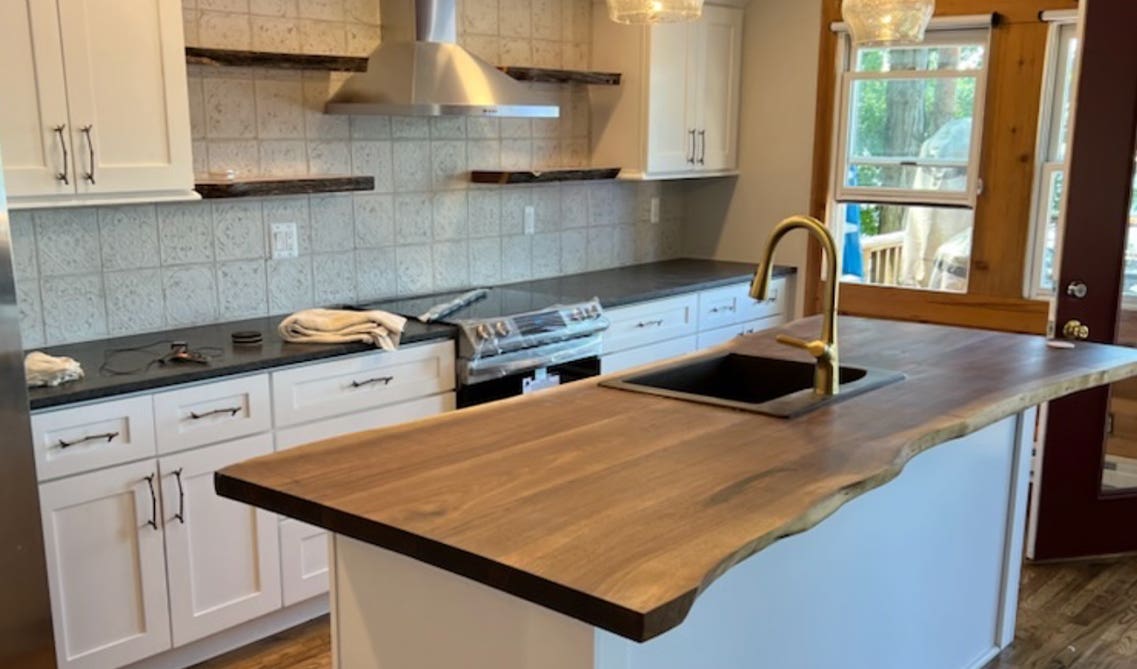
729	219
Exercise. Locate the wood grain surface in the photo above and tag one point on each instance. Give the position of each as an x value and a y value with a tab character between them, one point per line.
618	508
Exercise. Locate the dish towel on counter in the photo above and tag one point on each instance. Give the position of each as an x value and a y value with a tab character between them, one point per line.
42	369
331	326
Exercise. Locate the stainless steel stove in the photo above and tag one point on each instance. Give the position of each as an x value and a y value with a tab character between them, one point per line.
513	341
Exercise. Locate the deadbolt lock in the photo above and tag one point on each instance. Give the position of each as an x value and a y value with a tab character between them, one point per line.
1077	290
1076	330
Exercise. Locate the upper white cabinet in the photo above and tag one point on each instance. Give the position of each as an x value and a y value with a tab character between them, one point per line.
96	106
675	114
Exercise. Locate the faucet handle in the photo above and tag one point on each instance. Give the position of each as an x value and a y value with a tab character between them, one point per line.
816	348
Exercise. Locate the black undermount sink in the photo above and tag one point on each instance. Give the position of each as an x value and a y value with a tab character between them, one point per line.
770	386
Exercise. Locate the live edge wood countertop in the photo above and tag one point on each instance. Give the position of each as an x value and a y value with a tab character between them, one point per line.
618	508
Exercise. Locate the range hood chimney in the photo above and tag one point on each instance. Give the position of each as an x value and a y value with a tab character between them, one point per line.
419	70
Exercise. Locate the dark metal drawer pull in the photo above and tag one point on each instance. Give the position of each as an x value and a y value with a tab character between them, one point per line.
385	380
232	411
648	324
718	310
90	175
181	514
62	175
107	437
153	522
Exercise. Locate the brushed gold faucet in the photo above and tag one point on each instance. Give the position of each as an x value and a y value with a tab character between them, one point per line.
825	377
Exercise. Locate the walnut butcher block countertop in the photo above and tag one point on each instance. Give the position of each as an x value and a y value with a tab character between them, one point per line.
619	508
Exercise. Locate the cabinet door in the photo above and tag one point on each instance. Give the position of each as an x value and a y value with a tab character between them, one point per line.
35	100
106	567
717	89
126	83
672	102
223	556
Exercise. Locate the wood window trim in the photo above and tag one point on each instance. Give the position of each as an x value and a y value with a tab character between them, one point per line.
1002	215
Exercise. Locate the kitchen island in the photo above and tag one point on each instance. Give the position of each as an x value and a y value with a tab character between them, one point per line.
594	527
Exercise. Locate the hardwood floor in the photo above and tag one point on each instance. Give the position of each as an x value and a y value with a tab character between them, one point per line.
1071	616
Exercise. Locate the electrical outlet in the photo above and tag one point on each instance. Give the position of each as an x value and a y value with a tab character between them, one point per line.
655	210
530	220
285	241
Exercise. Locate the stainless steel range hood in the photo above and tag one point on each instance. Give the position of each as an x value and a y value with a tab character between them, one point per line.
419	70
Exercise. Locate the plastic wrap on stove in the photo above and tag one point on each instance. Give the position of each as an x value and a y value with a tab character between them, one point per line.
495	367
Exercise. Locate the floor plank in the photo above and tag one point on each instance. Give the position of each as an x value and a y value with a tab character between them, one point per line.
1071	616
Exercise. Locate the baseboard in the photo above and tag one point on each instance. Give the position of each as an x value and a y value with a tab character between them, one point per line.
235	637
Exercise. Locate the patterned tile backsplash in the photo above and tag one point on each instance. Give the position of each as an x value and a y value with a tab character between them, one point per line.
88	273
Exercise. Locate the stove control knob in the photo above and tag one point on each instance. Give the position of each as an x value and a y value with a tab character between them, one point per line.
577	314
502	328
593	311
483	331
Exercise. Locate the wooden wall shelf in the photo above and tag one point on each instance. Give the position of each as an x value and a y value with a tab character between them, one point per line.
267	186
550	76
503	177
280	61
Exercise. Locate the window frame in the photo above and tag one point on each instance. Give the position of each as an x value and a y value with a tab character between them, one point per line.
947	35
1063	25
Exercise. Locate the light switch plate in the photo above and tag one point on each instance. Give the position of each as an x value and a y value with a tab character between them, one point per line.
655	210
285	241
530	220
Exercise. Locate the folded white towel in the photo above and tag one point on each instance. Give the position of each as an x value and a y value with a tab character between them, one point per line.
42	369
330	326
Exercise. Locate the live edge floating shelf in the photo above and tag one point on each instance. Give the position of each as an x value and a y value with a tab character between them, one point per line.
280	61
266	186
549	76
503	177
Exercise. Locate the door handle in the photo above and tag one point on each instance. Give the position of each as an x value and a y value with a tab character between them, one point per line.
1075	329
232	411
691	155
153	522
181	514
385	380
62	176
703	147
90	175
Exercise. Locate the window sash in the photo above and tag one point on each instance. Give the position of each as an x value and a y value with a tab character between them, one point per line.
843	193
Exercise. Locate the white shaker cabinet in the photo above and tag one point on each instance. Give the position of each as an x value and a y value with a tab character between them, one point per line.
106	566
96	105
675	114
223	557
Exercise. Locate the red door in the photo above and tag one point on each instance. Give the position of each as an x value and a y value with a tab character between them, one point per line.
1087	490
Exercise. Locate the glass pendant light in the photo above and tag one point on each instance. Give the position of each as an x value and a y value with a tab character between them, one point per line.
887	22
654	11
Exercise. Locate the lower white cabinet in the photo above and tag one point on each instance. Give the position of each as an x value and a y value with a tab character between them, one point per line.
223	557
618	362
722	335
303	561
106	566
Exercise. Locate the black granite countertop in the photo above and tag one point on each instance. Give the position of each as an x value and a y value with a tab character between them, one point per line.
614	287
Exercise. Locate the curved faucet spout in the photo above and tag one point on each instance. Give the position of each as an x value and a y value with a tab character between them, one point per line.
826	380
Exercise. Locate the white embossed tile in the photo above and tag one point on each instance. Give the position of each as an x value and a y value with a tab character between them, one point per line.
514	200
451	265
223	30
67	241
516	258
362	11
448	160
448	127
413	220
547	208
514	18
283	157
625	244
317	124
322	37
273	7
190	295
574	206
484	206
230	108
129	237
370	127
289	285
31	313
574	251
328	10
196	107
333	278
374	220
333	223
23	245
329	157
450	216
479	16
240	231
242	289
134	301
546	255
375	273
649	242
241	156
361	39
601	248
185	233
415	269
484	154
546	19
410	127
373	158
274	34
411	164
280	109
485	261
74	308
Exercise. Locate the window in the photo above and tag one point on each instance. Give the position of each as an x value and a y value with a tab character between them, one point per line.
906	169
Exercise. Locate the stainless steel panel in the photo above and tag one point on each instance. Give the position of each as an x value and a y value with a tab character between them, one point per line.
25	608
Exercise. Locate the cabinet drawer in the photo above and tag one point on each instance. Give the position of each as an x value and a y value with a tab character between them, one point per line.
211	413
371	419
650	322
303	561
618	362
775	306
312	392
732	304
69	441
718	336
